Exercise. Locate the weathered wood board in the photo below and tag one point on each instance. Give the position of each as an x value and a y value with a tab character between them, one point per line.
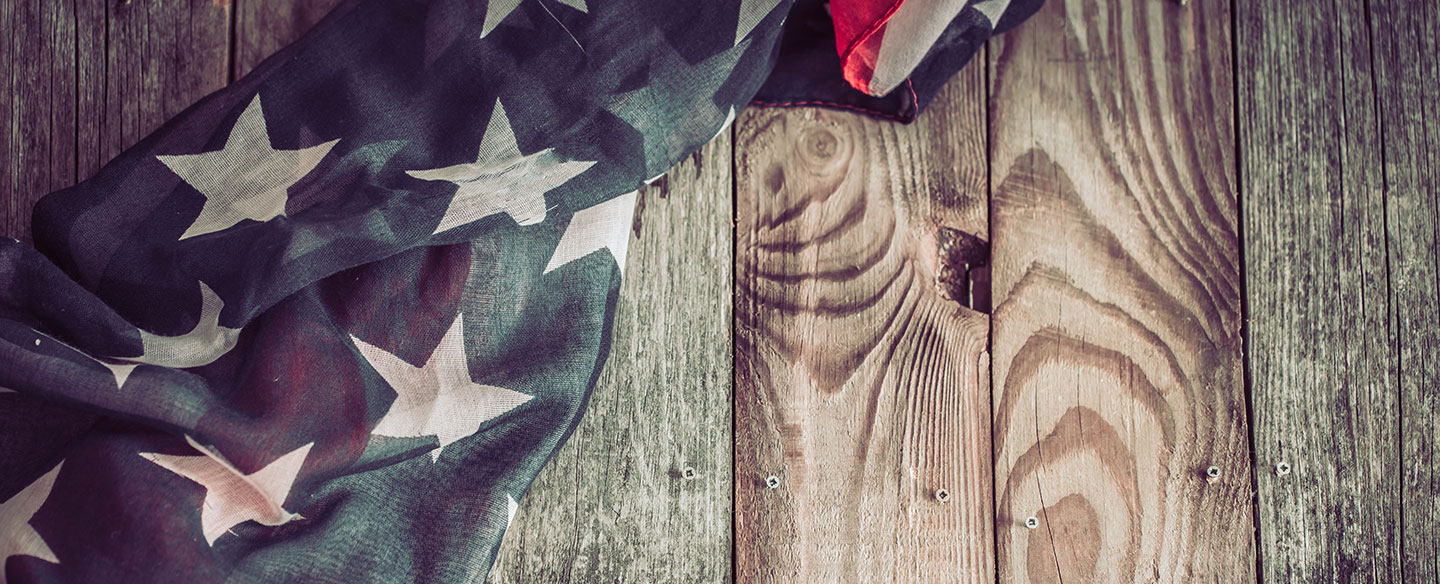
859	386
265	26
1322	327
37	118
615	504
1406	57
1117	282
84	80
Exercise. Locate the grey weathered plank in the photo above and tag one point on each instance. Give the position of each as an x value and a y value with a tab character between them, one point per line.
1322	324
160	58
1117	347
91	62
1406	49
859	384
84	79
613	505
265	26
38	113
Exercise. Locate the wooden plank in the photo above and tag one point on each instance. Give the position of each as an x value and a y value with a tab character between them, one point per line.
1321	329
37	116
1407	79
859	385
160	58
1117	338
265	26
614	505
91	67
87	78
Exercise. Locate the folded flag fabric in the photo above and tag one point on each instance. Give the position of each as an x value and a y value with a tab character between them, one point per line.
327	324
885	58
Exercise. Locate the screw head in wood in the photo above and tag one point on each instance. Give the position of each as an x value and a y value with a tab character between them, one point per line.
1031	522
1212	473
1282	469
772	481
942	495
688	472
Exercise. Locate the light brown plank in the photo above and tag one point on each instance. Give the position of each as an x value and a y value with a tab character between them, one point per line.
1323	384
1406	37
1117	341
858	384
614	504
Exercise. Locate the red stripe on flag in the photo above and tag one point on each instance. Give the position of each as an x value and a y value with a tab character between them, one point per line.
859	29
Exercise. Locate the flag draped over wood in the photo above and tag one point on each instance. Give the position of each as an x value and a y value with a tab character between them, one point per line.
329	322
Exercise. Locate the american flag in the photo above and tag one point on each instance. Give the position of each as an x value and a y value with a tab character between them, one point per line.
328	323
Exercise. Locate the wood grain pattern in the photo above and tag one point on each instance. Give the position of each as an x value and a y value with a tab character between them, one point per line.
1406	37
1323	378
614	505
1116	331
85	79
859	386
265	26
38	113
161	57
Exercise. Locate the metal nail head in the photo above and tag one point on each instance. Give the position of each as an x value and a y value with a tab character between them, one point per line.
1212	473
942	495
688	472
772	481
1282	469
1031	522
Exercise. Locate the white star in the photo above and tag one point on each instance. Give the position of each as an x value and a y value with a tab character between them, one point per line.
751	13
604	226
17	538
501	180
120	372
247	179
992	9
497	10
201	346
510	507
233	497
438	399
729	119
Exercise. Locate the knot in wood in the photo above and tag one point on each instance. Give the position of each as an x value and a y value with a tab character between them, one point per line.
820	143
963	277
821	152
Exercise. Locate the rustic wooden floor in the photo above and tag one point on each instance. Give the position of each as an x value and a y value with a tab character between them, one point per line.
1208	235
